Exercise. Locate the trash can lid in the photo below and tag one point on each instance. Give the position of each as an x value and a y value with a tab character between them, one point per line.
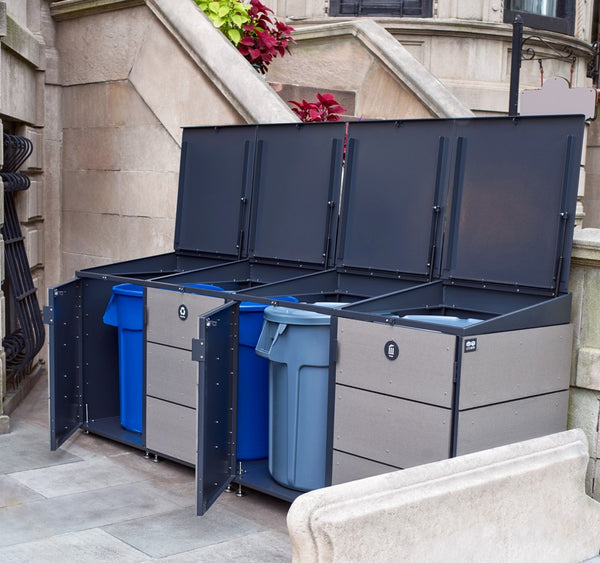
130	289
286	315
442	319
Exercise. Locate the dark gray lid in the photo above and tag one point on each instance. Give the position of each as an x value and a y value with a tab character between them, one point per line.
215	181
264	191
296	192
514	196
395	183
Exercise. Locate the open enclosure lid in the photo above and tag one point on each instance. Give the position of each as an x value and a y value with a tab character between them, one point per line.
394	187
514	195
215	181
296	190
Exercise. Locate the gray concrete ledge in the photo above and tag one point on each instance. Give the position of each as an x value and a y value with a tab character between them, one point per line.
520	503
69	9
23	43
586	247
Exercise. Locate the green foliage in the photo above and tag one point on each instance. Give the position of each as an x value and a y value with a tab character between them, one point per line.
229	16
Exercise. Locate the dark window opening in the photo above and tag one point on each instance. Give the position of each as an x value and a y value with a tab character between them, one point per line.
398	8
551	15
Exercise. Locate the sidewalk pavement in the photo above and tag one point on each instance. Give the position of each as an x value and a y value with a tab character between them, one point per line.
96	500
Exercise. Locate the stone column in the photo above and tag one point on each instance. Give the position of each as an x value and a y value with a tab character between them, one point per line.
584	409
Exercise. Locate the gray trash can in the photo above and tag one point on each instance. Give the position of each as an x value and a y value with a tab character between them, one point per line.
296	343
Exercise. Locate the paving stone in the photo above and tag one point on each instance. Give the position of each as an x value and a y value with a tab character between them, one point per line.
13	493
255	548
182	531
69	513
91	546
28	447
67	479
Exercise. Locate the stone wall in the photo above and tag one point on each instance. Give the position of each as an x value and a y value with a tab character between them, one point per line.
584	410
125	96
22	106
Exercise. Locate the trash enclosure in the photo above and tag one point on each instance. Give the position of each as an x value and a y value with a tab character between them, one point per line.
444	245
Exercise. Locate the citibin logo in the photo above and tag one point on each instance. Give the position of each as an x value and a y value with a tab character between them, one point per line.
470	345
391	350
183	312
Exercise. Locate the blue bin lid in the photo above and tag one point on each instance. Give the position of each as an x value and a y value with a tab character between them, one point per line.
289	316
129	289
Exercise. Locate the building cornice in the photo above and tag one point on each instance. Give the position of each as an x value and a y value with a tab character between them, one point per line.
321	27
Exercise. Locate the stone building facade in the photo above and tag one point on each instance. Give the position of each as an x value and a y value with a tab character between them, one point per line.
103	87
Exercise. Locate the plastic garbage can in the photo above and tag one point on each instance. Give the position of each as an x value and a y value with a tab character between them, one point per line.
296	343
125	311
253	385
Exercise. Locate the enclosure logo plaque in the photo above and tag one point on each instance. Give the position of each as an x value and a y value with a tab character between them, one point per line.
470	345
183	312
391	350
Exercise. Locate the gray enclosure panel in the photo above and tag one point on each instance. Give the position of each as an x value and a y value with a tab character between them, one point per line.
497	425
390	430
171	374
514	365
422	372
348	467
171	430
163	323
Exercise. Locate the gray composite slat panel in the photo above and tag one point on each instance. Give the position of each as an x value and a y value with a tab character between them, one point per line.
505	423
389	430
164	325
422	372
171	430
348	467
171	374
516	364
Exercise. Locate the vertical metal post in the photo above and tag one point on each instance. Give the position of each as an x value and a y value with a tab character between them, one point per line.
515	66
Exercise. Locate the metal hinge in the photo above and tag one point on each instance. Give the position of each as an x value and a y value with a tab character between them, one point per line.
198	350
48	315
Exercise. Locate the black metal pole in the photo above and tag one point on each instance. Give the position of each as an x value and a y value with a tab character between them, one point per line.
515	66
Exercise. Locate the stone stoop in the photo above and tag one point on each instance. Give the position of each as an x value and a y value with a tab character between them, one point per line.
297	93
520	503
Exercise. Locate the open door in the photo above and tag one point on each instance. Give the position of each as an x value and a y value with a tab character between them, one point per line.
216	351
63	316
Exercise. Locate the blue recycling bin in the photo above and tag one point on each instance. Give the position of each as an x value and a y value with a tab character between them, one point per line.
296	343
253	385
125	310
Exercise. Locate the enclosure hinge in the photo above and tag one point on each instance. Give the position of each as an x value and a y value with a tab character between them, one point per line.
48	314
198	350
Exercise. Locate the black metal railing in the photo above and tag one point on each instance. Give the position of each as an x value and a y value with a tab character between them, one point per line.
23	343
